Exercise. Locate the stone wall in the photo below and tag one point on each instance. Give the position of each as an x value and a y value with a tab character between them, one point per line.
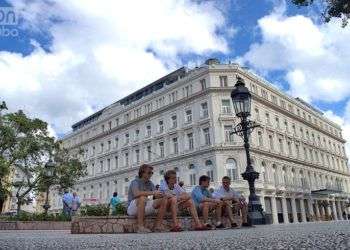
123	224
35	225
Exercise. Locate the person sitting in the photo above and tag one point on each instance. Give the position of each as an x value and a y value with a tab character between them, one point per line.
230	197
140	205
170	187
114	202
205	203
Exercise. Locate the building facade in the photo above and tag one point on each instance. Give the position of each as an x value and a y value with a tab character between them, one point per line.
184	121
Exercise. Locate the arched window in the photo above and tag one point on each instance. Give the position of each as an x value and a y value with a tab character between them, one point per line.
231	169
275	174
264	172
210	171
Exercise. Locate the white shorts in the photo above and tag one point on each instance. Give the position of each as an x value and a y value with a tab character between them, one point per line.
149	209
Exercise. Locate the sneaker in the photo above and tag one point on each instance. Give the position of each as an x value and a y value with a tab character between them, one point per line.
143	230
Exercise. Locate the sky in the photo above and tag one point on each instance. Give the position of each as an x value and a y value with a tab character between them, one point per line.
64	60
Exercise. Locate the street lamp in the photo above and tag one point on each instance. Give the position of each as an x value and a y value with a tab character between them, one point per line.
241	99
49	172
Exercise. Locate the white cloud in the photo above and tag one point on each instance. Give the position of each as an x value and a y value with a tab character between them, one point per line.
315	57
102	50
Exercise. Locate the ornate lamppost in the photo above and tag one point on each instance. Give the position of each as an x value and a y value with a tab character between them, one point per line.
49	172
241	99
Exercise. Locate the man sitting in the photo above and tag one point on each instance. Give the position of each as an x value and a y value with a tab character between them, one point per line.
204	201
230	197
139	203
169	187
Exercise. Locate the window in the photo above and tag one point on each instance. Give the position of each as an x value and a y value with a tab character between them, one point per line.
108	164
231	169
137	134
189	116
260	139
192	179
281	145
289	148
148	130
264	93
148	108
116	162
286	126
127	139
210	173
93	150
267	118
92	168
277	122
204	107
137	156
257	114
274	99
116	142
228	133
206	136
149	153
101	147
174	121
126	159
101	166
223	81
283	104
190	141
126	118
109	125
226	106
271	142
161	149
297	150
187	91
160	126
117	122
109	143
203	84
103	128
175	145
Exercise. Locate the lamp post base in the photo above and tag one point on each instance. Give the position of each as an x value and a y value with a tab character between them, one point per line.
256	214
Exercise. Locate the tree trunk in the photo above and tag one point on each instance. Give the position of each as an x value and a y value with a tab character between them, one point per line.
18	205
2	201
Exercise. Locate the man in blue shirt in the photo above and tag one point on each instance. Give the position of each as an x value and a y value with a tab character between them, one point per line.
67	200
205	203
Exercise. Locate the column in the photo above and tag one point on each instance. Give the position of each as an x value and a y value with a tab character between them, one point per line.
294	211
329	210
340	213
334	210
262	201
311	209
323	212
302	208
285	210
318	215
274	210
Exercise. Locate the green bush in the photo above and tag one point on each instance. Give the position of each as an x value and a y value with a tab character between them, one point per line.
24	216
120	209
94	210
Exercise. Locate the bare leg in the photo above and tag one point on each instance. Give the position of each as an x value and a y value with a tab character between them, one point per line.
141	211
244	211
172	202
227	205
160	204
218	211
193	212
205	211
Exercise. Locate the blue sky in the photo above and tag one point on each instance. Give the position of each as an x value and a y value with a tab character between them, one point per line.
71	58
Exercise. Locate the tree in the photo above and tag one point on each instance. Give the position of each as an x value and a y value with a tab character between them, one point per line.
332	9
25	146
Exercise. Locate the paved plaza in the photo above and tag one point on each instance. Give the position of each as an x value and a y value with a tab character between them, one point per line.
323	235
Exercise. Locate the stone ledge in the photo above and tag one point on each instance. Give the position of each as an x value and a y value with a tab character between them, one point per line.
124	224
35	225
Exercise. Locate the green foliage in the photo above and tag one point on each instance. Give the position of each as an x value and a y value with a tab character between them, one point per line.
332	9
24	216
94	210
25	146
120	209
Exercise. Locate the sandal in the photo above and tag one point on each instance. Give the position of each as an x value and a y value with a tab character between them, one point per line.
201	228
208	226
176	229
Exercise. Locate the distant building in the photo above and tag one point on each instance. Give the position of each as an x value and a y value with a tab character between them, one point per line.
183	121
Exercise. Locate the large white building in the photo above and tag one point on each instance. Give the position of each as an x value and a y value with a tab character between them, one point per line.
184	120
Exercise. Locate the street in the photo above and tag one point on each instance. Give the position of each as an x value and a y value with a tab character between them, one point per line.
321	235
